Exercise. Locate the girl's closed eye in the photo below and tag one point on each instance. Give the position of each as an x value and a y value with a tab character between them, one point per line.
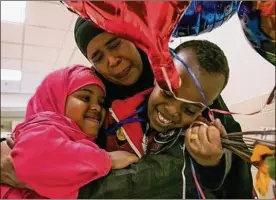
102	103
85	98
82	95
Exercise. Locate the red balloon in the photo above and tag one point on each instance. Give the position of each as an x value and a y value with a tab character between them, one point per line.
147	24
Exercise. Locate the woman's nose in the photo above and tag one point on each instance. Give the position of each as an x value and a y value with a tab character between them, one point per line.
113	61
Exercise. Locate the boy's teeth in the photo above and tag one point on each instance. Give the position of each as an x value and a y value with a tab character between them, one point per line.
163	119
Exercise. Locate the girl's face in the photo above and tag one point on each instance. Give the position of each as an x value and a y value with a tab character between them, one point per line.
116	59
85	107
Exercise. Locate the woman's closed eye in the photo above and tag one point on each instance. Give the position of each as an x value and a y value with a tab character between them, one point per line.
98	58
114	44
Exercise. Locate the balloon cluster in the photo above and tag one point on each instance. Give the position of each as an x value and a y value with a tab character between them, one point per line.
258	20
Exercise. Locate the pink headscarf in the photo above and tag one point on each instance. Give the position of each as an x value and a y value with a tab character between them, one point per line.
52	93
53	144
47	105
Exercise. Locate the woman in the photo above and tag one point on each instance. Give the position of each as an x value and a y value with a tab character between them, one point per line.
125	70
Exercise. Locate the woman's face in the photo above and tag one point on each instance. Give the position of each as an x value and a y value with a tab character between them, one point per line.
116	59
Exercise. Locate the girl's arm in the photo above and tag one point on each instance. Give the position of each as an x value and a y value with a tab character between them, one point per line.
54	166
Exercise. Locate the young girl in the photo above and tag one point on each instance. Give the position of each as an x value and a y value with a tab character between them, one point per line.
54	151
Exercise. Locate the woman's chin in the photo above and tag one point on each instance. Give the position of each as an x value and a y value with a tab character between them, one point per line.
127	82
130	79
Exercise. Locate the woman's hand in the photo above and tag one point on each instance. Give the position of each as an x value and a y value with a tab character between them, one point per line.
204	144
122	159
8	175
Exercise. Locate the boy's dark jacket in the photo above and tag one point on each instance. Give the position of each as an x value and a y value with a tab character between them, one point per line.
160	176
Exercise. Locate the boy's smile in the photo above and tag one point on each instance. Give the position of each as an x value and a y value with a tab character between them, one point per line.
161	119
165	112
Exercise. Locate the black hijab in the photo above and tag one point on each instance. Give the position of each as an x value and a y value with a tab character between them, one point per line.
84	32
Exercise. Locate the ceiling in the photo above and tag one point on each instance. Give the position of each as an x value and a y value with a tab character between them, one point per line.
45	42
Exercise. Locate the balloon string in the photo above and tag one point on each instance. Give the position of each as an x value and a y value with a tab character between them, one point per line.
269	101
255	195
129	119
192	75
170	89
195	180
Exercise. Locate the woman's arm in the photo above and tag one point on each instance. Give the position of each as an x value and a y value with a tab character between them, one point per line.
8	175
54	166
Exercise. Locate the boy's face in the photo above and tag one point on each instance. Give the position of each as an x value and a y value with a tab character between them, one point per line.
165	112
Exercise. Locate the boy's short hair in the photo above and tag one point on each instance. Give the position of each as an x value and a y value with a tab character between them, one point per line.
209	55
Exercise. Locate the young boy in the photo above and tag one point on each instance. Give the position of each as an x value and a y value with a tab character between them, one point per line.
139	122
151	121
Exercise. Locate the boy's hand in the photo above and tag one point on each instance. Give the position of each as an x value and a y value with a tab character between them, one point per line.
204	144
122	159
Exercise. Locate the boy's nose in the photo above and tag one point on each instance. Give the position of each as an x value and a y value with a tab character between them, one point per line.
172	109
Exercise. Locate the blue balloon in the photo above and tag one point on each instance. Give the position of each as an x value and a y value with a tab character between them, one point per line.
204	16
258	28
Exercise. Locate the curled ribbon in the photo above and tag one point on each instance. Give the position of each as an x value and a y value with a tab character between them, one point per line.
270	99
